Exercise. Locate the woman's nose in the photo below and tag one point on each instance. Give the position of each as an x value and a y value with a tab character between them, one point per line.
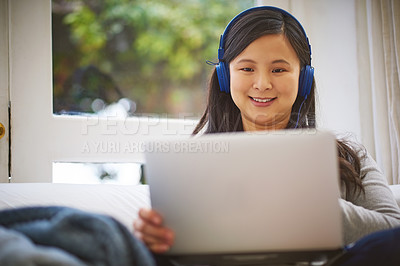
262	82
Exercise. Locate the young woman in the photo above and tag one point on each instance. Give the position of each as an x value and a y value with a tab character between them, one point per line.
264	81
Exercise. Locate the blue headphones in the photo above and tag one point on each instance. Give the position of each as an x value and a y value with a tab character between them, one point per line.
306	73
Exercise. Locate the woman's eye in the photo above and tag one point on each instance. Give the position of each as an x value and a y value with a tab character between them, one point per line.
278	70
247	69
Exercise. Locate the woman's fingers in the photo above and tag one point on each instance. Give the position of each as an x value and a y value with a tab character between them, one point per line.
150	216
159	248
148	227
152	243
148	232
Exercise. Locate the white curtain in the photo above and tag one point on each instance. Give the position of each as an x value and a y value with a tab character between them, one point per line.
390	10
378	34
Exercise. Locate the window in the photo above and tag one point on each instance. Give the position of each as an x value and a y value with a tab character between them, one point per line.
131	58
68	136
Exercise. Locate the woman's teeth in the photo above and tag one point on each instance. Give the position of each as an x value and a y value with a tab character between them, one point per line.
262	100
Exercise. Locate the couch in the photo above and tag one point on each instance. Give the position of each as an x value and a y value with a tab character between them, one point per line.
119	201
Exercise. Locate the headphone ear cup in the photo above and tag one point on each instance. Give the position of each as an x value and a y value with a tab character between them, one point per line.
223	77
305	81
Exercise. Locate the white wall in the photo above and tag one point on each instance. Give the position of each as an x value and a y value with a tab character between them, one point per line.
331	28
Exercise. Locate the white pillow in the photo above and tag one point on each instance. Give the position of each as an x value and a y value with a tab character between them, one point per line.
119	201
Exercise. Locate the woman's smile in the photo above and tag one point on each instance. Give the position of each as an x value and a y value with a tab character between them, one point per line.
262	102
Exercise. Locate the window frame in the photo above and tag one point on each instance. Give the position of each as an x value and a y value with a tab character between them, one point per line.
40	138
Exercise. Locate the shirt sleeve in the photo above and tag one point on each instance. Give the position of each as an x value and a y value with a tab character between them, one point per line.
374	210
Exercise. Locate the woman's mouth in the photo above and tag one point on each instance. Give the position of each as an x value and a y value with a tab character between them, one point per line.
262	101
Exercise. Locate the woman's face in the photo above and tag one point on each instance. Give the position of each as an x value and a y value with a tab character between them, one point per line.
264	82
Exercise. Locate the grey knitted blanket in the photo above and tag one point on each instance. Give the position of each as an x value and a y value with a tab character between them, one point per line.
67	236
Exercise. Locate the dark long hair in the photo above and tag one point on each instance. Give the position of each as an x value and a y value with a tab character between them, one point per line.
222	115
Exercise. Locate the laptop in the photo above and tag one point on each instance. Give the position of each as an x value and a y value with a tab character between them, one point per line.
248	198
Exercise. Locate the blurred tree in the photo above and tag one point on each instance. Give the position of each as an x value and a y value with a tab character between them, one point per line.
154	51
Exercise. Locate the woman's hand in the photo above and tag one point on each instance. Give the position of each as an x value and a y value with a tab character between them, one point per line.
148	228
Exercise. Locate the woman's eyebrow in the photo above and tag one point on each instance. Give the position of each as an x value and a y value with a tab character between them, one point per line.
280	61
245	60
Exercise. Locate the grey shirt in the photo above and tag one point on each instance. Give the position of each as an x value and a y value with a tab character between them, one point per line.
373	211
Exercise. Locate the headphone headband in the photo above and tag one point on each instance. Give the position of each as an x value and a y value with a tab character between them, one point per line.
221	50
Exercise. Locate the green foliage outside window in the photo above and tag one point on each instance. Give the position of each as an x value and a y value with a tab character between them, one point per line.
151	52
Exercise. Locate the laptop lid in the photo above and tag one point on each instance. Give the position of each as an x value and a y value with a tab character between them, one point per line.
247	193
